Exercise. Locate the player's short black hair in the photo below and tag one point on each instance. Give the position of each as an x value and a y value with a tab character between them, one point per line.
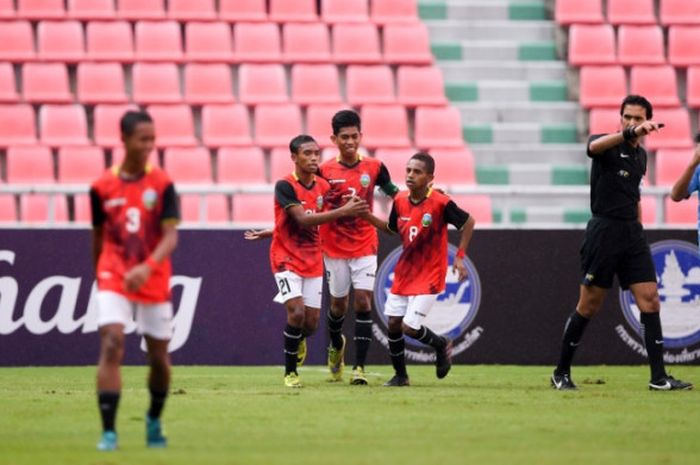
298	141
131	119
345	119
637	100
427	160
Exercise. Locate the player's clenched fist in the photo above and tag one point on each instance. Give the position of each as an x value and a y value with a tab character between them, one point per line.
355	206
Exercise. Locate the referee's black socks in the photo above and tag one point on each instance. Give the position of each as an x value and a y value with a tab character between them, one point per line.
292	337
654	342
573	331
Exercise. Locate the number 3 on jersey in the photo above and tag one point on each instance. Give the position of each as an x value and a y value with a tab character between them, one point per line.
133	219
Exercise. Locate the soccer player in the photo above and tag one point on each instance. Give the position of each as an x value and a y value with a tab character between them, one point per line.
134	216
295	253
615	243
350	244
420	217
689	181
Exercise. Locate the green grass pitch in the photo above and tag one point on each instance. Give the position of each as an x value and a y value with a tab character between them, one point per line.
243	415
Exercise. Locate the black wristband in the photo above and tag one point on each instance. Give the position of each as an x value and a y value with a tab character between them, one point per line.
629	134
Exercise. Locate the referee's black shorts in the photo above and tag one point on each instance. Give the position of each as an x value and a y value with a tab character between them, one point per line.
615	247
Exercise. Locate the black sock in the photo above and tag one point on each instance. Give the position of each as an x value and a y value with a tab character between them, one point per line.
335	329
292	337
427	337
396	348
363	337
654	342
573	331
157	402
108	403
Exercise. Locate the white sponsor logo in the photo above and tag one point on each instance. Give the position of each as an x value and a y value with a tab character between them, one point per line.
115	202
335	181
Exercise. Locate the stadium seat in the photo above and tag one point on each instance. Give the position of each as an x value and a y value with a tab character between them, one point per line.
36	208
208	83
188	165
136	10
578	12
109	41
288	11
275	125
679	12
7	9
46	82
192	10
318	122
61	125
656	83
316	83
395	160
280	163
454	166
684	45
681	213
670	164
80	165
356	43
407	44
676	133
478	206
60	41
257	42
30	165
16	41
158	41
648	206
215	208
17	125
101	83
306	42
106	119
693	90
156	83
242	10
8	208
345	11
602	86
40	9
438	127
81	209
174	125
591	44
262	84
394	11
604	120
420	85
208	42
253	208
241	165
384	126
631	12
90	10
8	86
225	125
640	45
369	84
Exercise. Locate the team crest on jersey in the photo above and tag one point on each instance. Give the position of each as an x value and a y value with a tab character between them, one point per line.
150	197
319	202
678	275
364	180
427	220
451	316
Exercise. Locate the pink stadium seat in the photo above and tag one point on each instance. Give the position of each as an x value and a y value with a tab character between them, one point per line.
29	165
631	12
101	83
156	83
60	41
407	44
106	119
394	11
369	84
670	164
640	45
188	165
420	85
275	125
8	86
315	84
676	134
287	11
40	9
656	83
109	41
602	86
158	41
648	204
80	165
174	125
356	43
63	125
8	208
46	82
345	11
262	84
17	125
603	120
192	10
578	12
478	206
241	165
253	208
679	12
384	126
591	45
454	166
36	208
280	163
7	11
693	90
208	42
90	10
242	10
318	122
438	127
225	125
306	42
81	209
684	45
16	41
257	42
681	213
208	83
136	10
216	209
395	160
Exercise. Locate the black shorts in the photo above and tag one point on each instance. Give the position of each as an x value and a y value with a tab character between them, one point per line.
615	247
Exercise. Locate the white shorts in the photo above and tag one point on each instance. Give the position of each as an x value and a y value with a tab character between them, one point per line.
413	308
155	320
342	272
290	285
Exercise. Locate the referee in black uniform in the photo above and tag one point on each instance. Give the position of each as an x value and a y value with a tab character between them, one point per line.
615	243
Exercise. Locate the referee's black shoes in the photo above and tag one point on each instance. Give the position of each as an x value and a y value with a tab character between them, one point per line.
669	383
562	382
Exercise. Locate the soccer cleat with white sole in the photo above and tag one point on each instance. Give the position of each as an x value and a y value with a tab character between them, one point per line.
562	382
292	380
358	376
669	383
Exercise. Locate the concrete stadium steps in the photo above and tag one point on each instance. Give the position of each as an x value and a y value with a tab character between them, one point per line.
514	112
565	154
458	30
506	91
506	133
497	50
501	70
482	9
532	174
546	214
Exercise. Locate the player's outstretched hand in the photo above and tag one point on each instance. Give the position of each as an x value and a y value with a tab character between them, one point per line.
256	234
460	269
647	127
355	206
136	277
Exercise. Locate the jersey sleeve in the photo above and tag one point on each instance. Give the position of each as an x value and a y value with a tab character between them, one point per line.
393	219
384	181
694	184
588	145
285	195
98	214
454	215
171	210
